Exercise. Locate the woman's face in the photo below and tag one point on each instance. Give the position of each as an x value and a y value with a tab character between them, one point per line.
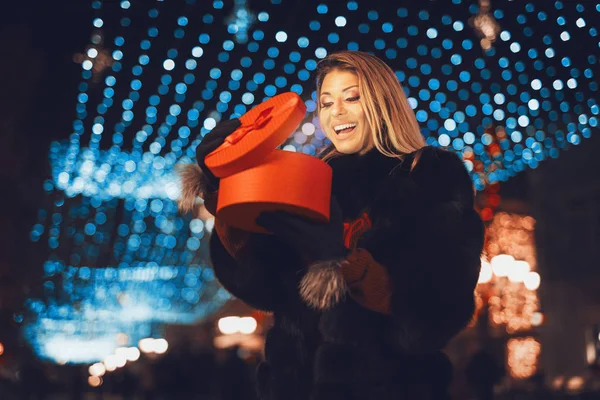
342	115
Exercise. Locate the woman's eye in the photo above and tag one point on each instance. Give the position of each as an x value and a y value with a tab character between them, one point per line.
350	99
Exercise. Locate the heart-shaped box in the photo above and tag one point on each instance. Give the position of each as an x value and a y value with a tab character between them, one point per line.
256	177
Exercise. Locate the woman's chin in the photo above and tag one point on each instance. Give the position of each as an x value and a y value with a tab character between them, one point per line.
346	148
347	151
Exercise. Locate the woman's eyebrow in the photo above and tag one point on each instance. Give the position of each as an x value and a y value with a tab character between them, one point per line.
349	87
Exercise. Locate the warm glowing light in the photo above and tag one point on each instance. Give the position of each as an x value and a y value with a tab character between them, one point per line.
558	382
132	354
590	353
523	354
511	296
484	24
485	43
231	325
532	280
248	342
575	383
121	351
146	345
120	361
247	325
228	325
537	318
110	367
1	349
94	381
502	264
111	362
518	271
160	346
149	345
97	369
485	273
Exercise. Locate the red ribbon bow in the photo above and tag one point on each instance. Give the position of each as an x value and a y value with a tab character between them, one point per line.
263	119
260	122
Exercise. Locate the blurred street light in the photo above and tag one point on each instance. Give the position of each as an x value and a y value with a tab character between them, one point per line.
485	25
151	345
231	325
94	381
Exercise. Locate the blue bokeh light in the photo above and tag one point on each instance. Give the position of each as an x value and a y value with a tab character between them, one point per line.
111	220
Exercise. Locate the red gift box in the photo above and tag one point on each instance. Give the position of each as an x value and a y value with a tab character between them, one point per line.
256	177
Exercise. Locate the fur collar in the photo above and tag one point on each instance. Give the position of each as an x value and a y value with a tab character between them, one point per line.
358	178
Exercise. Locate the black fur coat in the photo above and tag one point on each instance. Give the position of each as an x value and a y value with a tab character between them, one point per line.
428	236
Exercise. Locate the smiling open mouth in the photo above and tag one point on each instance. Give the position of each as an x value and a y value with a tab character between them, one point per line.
345	128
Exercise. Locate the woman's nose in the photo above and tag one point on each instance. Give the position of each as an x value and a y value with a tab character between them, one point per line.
338	108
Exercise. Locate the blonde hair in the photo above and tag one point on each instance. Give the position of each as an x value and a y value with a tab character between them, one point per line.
392	121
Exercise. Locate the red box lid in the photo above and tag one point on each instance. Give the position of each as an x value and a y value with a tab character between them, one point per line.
263	128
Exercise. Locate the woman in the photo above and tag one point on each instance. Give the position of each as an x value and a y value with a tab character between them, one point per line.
362	305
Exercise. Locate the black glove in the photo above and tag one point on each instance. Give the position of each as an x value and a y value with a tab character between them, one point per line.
319	241
209	143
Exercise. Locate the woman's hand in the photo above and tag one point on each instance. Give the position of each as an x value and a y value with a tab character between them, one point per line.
323	285
319	241
209	143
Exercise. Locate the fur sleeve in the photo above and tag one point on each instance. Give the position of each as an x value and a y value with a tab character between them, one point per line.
263	274
429	238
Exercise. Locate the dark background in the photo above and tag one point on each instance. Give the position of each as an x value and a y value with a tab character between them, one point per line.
38	81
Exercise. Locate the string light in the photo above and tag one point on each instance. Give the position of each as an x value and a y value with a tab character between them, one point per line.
523	357
510	287
95	381
118	247
97	369
485	25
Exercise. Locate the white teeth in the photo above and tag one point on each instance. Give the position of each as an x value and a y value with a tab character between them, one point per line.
342	127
